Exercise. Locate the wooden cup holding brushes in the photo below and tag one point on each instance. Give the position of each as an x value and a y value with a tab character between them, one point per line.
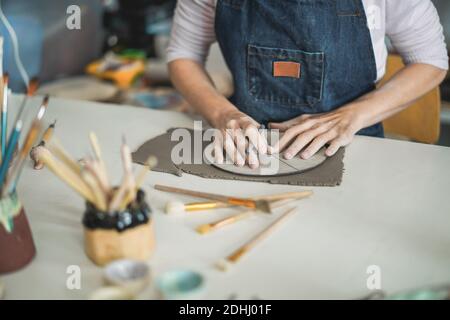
17	247
117	221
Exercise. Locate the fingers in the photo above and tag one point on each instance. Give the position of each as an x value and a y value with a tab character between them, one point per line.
253	159
337	143
231	150
318	143
283	126
257	139
240	142
218	147
290	134
307	137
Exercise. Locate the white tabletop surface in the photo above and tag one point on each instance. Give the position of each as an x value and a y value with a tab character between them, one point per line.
392	210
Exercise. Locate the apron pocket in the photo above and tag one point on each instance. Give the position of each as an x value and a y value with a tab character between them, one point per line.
286	77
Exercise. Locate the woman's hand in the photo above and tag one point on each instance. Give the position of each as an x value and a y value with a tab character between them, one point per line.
239	136
307	134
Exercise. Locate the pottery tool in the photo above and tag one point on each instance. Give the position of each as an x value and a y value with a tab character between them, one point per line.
30	139
4	131
99	196
120	194
261	205
178	207
149	165
210	227
98	154
102	178
67	175
246	248
128	169
57	149
88	176
7	157
35	151
139	180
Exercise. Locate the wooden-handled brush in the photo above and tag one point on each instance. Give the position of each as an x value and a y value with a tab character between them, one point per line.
239	253
210	227
261	205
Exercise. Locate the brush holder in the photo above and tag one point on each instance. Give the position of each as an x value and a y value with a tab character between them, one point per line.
124	234
17	247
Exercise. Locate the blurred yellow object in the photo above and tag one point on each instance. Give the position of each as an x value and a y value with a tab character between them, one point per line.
421	121
121	71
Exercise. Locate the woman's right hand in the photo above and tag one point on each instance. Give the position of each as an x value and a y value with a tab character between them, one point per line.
238	134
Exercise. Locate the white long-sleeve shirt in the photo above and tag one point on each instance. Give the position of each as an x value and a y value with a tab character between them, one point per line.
413	27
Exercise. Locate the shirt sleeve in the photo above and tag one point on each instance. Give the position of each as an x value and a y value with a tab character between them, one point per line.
192	31
416	33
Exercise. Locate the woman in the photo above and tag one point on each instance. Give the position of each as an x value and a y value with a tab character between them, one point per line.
306	67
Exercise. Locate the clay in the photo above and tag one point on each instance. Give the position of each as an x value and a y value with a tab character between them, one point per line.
16	248
329	173
275	165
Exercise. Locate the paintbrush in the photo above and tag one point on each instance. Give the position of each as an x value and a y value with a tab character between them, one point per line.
176	207
67	175
31	90
35	151
7	157
261	205
209	227
239	253
30	139
4	131
48	134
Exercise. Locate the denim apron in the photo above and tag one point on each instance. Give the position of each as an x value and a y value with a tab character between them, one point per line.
294	57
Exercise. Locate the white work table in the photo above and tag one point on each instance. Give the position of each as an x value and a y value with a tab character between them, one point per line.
391	211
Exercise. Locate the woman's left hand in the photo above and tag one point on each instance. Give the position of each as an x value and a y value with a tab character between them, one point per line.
308	133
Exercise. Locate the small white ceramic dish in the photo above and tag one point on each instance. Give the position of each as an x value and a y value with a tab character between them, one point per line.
130	274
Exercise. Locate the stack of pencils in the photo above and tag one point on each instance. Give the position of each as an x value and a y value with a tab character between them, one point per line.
89	177
12	155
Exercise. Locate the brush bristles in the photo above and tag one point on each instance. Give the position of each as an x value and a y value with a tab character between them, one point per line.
174	207
223	265
204	229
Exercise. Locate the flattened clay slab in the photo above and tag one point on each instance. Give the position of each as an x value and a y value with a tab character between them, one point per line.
328	173
275	165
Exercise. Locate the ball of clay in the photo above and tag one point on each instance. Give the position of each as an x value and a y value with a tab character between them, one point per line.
174	207
35	156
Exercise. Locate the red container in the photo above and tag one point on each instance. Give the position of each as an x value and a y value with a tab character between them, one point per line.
16	245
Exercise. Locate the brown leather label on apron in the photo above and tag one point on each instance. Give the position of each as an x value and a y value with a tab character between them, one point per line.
286	69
